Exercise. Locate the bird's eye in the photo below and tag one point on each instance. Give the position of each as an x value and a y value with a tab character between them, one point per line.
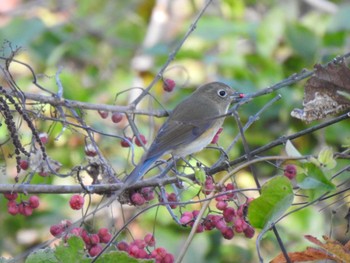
222	93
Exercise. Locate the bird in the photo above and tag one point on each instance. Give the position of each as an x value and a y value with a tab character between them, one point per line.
190	127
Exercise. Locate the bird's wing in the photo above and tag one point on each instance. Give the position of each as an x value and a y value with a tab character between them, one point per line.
182	128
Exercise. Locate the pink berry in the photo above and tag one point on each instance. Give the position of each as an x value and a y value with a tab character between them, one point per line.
221	205
185	219
168	85
230	187
142	142
10	196
95	250
240	225
249	231
227	233
76	202
27	210
137	199
56	230
123	246
208	185
44	138
117	117
200	228
105	235
103	114
149	239
76	231
34	201
172	198
290	171
216	137
147	193
140	243
220	225
12	207
126	143
168	258
133	250
94	239
229	213
24	164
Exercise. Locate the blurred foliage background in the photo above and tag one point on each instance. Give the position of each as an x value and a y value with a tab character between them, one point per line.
106	47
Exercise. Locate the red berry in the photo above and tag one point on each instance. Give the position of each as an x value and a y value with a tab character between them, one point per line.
221	205
103	114
290	171
117	117
76	231
10	196
200	228
221	225
208	185
56	230
216	137
43	173
123	246
90	150
95	250
137	199
24	164
44	138
240	225
142	142
126	143
168	258
140	243
34	201
229	213
133	250
149	239
12	207
227	233
169	85
94	239
104	235
27	210
172	198
185	219
147	193
249	231
230	187
76	202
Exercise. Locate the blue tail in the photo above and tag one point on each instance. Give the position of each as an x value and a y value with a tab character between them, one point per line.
139	171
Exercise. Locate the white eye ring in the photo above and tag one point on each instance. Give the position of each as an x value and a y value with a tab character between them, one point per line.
222	93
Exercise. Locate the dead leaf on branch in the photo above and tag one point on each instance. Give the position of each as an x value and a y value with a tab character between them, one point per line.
326	93
331	250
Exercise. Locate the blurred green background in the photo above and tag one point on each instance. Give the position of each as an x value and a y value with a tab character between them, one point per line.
106	47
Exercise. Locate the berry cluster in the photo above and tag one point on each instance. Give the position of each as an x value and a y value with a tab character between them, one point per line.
141	196
227	219
24	207
139	142
93	242
139	248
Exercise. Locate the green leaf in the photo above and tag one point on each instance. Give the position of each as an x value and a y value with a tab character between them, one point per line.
200	175
302	40
291	150
73	252
120	257
326	159
314	180
276	197
42	255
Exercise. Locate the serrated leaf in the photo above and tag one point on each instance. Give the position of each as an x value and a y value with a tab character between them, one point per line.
46	255
326	159
120	257
73	251
314	180
291	150
276	197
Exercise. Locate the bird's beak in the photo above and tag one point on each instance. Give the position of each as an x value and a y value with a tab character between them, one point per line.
237	96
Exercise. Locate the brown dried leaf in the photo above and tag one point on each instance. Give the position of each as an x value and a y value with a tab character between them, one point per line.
321	95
